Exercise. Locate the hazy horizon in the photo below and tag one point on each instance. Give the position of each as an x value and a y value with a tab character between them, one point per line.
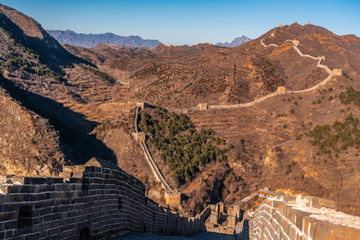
188	22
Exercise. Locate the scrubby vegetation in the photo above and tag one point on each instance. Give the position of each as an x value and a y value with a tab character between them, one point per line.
350	96
99	73
14	61
147	71
337	137
271	73
184	149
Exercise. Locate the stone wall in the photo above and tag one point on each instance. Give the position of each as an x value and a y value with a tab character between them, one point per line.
304	218
87	202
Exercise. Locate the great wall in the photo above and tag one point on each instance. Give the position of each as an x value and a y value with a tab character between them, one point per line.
171	196
203	106
93	201
280	90
296	217
282	216
100	201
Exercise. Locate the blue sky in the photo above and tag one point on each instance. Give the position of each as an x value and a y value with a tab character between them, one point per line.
186	21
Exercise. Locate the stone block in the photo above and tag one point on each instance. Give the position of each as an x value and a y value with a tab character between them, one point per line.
221	207
10	224
213	218
36	180
299	221
7	216
9	234
292	233
231	221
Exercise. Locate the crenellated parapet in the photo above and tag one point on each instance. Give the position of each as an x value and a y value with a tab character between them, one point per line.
98	200
282	216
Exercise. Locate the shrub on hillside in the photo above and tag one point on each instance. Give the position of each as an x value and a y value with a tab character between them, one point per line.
339	136
184	149
100	74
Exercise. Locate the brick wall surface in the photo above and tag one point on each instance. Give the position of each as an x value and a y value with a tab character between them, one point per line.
86	203
283	220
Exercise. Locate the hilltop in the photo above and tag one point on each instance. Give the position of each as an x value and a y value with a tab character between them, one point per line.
57	103
91	40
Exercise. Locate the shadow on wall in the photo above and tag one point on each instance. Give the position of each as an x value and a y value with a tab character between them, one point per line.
199	236
74	129
244	235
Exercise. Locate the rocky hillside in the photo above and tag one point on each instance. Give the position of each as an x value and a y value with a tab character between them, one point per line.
29	144
183	76
270	137
91	40
236	42
66	100
21	34
305	142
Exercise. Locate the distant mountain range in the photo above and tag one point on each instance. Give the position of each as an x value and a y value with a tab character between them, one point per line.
236	42
91	40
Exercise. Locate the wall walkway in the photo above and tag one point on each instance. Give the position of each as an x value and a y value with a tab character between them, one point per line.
87	202
249	104
154	168
304	217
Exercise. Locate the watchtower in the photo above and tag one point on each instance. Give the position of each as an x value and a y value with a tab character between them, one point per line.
280	25
322	59
337	72
139	136
281	89
141	104
295	21
308	22
203	106
172	197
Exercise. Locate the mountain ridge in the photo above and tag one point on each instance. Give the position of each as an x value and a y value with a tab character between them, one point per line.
235	43
91	40
267	145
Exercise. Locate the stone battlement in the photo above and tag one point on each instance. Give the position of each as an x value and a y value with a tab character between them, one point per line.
283	216
88	201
